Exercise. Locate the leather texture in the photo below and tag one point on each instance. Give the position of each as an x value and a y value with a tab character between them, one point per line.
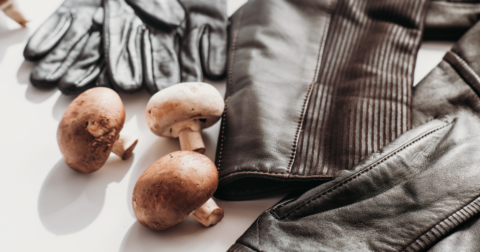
313	87
113	44
67	46
450	19
419	193
162	43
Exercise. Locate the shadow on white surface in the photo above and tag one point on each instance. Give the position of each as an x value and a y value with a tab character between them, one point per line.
210	144
159	148
140	238
135	105
23	72
61	105
32	94
190	235
10	37
70	201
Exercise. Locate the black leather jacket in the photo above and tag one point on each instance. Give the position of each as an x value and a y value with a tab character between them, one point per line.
314	87
421	192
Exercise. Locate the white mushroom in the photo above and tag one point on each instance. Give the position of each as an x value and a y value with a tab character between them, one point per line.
183	110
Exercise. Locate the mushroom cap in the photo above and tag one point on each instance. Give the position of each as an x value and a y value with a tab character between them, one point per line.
89	127
182	102
172	188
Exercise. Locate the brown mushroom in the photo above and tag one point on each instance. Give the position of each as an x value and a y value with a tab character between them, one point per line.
90	130
10	7
176	186
183	110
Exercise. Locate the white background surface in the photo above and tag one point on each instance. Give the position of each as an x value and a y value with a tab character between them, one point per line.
46	206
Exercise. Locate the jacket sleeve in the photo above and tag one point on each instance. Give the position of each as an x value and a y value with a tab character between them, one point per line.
314	86
420	192
450	19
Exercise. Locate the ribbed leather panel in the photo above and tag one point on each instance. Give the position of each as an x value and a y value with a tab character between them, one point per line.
464	70
362	98
444	227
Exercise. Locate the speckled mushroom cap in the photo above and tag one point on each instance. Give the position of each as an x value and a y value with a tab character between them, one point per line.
182	102
172	188
89	127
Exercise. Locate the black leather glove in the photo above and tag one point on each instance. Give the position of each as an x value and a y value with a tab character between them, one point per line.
419	193
163	43
68	47
314	86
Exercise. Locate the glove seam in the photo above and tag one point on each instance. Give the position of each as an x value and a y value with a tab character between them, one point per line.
86	74
357	174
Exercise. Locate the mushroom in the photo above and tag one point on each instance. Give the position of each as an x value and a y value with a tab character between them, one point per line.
11	9
178	185
90	130
183	110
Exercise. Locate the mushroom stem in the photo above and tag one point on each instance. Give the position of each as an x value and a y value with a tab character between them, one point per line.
191	140
208	214
11	10
124	145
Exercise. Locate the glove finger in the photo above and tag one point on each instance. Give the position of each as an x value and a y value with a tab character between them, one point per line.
53	67
159	13
48	35
122	41
56	63
160	60
103	80
83	73
213	51
204	50
191	66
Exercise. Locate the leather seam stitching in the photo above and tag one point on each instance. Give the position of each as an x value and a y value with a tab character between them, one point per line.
87	73
307	96
230	80
222	135
281	173
358	174
234	50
